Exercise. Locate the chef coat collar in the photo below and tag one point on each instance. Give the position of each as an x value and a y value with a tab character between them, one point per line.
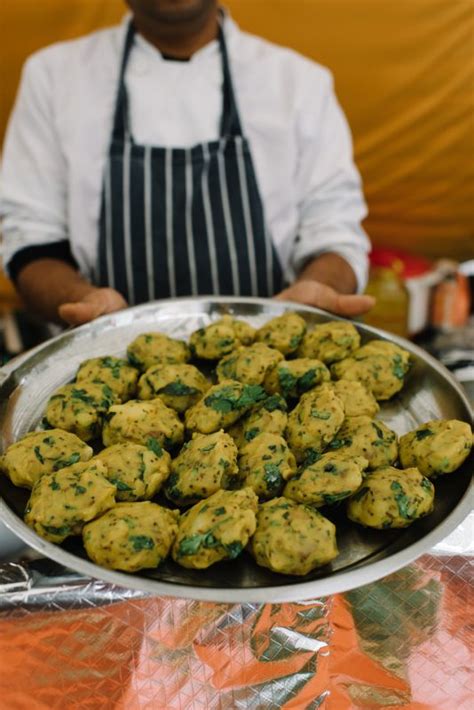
229	26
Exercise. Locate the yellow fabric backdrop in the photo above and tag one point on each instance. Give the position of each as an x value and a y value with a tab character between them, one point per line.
404	73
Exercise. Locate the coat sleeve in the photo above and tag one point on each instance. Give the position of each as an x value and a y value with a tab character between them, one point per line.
331	201
33	177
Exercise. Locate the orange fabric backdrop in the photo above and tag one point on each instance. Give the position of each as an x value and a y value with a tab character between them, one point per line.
404	74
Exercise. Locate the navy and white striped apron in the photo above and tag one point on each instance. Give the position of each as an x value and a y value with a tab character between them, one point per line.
183	221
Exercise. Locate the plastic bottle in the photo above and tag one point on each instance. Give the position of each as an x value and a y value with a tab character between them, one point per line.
391	309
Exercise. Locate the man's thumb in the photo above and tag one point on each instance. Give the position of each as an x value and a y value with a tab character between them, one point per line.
79	313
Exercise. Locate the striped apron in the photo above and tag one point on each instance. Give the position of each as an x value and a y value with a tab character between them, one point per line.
183	221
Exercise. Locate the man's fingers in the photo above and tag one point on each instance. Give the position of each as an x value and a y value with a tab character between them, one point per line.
79	313
353	305
322	296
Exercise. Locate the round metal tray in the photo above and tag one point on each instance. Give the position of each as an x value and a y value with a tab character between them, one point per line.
430	392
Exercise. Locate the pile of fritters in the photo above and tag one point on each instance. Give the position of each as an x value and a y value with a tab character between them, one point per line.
246	458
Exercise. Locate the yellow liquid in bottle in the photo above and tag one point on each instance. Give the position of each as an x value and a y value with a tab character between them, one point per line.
391	309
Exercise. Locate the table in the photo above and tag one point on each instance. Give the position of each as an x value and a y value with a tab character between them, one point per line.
403	642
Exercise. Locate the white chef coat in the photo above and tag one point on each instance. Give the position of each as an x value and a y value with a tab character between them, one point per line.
60	129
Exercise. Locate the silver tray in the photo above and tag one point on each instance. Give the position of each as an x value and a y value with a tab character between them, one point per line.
430	392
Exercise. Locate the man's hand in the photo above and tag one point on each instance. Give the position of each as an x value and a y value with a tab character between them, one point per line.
313	293
97	302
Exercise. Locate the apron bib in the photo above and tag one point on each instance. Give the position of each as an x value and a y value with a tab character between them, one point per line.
183	221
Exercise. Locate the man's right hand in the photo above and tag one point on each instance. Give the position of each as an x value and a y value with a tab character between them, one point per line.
98	302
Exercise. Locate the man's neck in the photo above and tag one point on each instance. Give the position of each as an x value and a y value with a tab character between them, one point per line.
180	41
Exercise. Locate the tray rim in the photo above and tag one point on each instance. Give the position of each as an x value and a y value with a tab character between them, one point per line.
342	581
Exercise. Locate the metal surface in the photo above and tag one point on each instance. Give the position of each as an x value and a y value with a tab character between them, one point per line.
430	392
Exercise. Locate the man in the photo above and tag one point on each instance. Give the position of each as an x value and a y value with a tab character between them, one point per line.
176	155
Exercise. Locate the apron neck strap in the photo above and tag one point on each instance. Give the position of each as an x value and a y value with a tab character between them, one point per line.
230	122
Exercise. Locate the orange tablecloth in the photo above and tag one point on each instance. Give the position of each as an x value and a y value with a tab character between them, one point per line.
403	642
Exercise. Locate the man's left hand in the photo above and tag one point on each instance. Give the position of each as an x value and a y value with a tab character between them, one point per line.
314	293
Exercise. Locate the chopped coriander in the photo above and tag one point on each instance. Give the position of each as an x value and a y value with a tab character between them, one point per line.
82	395
133	360
141	542
317	414
38	454
330	498
53	530
311	456
378	431
178	389
233	549
64	463
423	434
78	489
398	369
191	545
217	511
112	364
120	485
308	380
154	445
209	447
54	485
108	397
295	340
228	368
227	399
287	380
403	502
339	443
275	402
251	434
141	468
360	493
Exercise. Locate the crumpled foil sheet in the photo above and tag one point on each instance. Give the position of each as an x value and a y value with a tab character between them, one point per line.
403	642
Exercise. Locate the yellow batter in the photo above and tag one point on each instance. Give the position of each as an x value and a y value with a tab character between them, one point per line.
283	333
205	464
216	529
248	364
314	422
150	349
40	452
266	463
131	536
292	538
178	386
61	502
80	408
292	378
143	423
391	498
118	374
270	417
330	342
223	405
363	436
436	447
137	471
328	480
